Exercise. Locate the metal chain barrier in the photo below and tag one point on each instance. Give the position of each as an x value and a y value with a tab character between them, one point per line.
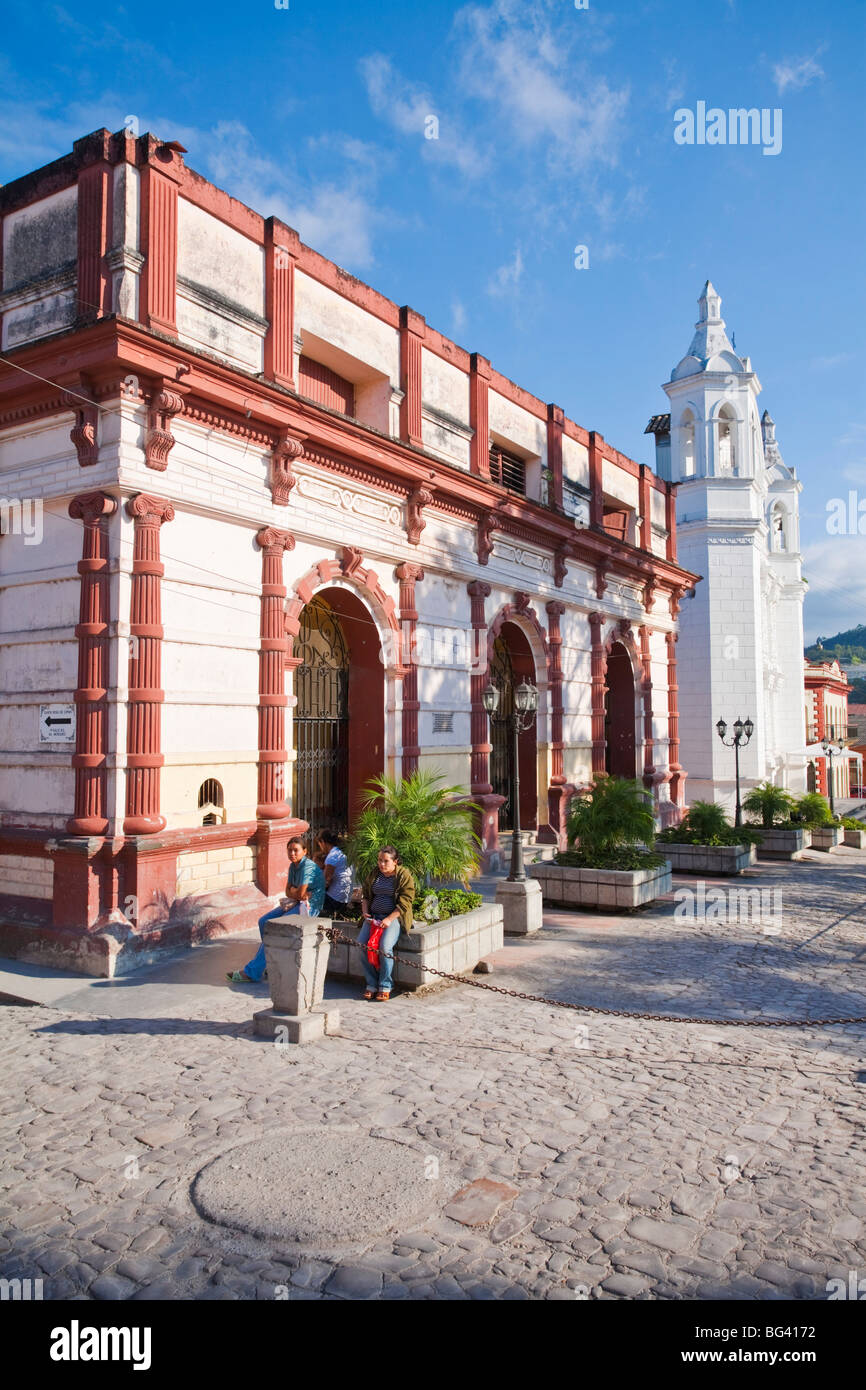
339	938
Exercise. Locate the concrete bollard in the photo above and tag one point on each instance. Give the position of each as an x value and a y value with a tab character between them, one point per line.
297	956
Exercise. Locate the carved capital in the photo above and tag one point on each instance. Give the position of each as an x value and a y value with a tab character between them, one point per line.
146	509
555	609
351	559
595	622
274	540
286	449
91	507
476	588
159	440
409	573
415	504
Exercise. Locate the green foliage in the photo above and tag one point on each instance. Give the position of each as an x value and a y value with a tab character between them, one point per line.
430	825
812	809
852	823
625	858
706	823
771	803
439	905
615	815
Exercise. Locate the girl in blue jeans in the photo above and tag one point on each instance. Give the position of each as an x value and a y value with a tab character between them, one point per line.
306	884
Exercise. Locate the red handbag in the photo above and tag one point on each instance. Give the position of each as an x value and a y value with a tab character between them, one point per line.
376	930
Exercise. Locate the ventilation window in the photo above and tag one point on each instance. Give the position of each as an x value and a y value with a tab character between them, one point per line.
507	470
211	800
325	386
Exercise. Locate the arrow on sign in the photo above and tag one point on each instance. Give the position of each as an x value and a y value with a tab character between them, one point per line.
65	720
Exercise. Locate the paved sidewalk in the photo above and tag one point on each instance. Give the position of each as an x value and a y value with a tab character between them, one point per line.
649	1160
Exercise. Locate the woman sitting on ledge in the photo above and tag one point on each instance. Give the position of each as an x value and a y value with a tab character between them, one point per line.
387	898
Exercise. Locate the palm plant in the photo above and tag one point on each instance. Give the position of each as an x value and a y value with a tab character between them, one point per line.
706	820
770	802
812	809
429	824
615	813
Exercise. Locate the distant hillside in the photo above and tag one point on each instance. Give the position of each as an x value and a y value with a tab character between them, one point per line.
847	646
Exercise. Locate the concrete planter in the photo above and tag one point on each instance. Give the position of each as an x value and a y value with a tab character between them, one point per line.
610	890
783	843
708	859
827	837
455	945
855	839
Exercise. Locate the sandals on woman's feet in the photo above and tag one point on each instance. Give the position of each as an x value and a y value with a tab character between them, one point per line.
368	995
237	977
383	996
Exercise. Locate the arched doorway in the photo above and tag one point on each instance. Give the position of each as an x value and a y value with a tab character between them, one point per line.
619	714
811	778
339	719
511	662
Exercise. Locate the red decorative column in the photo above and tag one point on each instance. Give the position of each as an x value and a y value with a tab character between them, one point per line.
598	673
479	774
645	508
413	328
144	726
272	663
647	693
560	792
94	227
671	522
678	776
93	508
555	428
479	390
596	478
408	575
282	247
159	187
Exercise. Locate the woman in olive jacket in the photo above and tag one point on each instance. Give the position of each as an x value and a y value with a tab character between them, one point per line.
386	897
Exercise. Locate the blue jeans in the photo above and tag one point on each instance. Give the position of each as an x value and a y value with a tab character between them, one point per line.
255	968
387	942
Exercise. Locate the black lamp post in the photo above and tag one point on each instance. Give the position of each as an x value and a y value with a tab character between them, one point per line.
743	731
525	708
829	750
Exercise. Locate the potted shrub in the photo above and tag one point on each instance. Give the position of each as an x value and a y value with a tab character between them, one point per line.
705	842
607	863
779	839
855	832
431	826
813	811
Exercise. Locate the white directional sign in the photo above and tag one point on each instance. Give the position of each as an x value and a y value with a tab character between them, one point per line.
56	723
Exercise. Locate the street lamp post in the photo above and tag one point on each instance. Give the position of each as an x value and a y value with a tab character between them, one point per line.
829	750
743	731
524	711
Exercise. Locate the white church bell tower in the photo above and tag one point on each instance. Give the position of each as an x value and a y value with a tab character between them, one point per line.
740	651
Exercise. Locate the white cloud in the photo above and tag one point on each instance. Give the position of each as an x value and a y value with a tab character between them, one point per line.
532	80
413	112
796	73
507	277
836	597
824	364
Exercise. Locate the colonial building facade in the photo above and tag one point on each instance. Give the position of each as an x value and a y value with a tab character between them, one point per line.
284	533
827	688
737	506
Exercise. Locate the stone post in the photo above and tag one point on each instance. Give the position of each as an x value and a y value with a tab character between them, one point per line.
297	956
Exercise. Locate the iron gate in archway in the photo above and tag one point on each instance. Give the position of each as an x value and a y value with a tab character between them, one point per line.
502	756
321	721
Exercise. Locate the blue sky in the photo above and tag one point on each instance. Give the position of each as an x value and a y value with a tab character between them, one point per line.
555	129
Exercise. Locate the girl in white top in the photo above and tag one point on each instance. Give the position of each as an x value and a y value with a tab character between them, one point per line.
338	873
